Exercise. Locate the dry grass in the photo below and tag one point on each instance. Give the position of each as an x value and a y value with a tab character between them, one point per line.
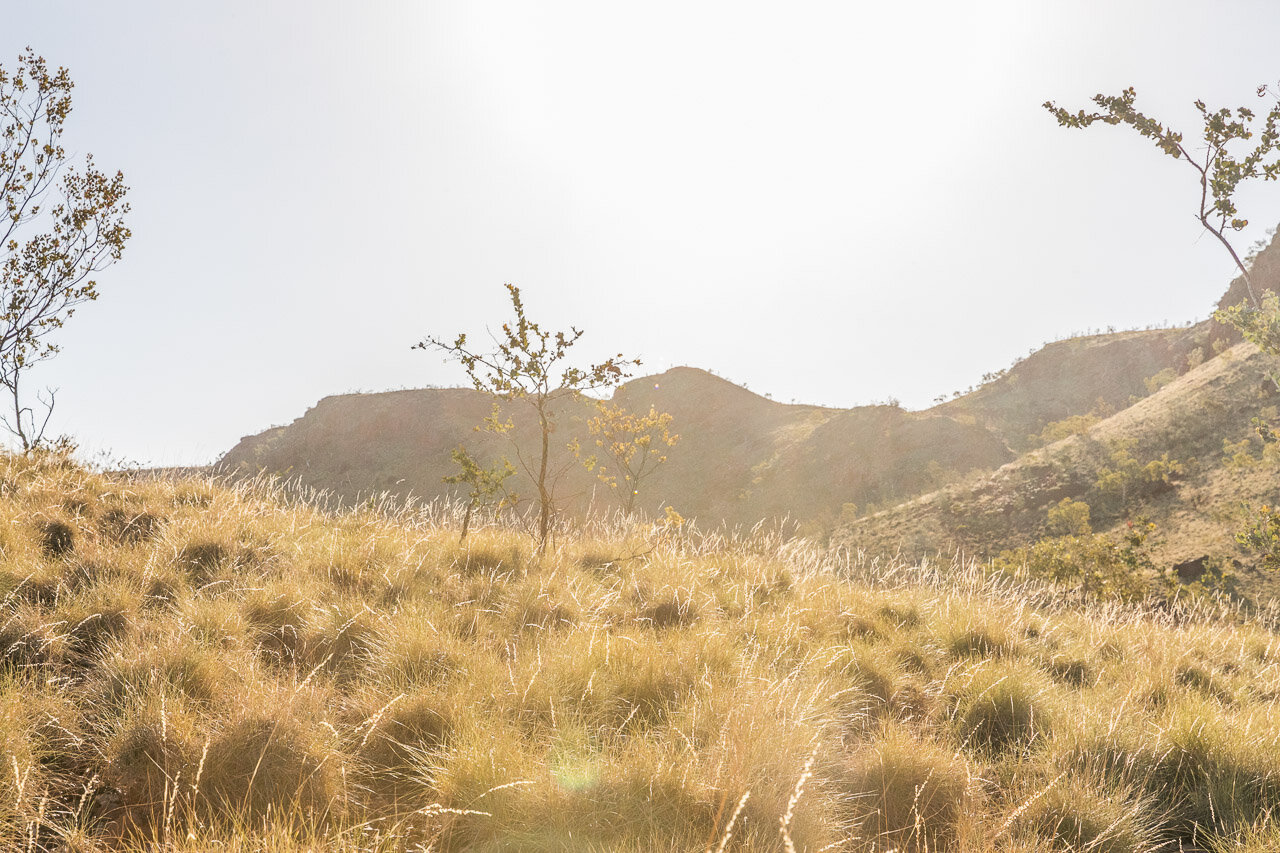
187	666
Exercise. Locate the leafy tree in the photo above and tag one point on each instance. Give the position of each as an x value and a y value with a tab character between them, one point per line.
487	485
530	369
62	225
1124	474
1226	162
636	445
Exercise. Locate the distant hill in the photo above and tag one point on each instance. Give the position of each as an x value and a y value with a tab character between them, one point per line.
740	457
1189	420
1076	376
968	472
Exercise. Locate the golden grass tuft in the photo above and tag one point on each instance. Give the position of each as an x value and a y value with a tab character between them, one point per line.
1000	705
907	793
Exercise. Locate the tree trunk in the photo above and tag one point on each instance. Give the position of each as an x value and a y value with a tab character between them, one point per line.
544	499
466	522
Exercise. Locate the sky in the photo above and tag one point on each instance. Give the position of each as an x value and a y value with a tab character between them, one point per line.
834	203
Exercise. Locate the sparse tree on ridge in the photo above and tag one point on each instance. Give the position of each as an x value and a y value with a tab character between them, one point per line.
59	226
530	370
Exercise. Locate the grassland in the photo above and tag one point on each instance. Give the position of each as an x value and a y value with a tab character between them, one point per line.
189	666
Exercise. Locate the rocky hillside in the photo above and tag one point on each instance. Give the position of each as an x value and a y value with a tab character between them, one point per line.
1182	428
1187	456
1105	372
740	457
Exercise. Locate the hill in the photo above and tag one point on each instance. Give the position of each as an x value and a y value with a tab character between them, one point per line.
740	458
1103	372
743	458
187	666
1186	421
1187	457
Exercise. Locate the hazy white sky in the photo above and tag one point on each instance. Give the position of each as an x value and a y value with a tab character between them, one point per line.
829	202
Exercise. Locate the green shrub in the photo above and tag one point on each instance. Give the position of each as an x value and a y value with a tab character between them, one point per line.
1096	565
1260	537
1239	454
1069	518
1159	380
1124	476
1065	428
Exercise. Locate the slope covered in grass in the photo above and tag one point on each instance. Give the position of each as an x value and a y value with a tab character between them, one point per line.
203	667
1197	432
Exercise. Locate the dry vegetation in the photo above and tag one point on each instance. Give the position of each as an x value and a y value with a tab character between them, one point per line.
191	667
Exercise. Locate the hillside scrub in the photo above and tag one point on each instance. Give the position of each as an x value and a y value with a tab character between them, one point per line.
189	666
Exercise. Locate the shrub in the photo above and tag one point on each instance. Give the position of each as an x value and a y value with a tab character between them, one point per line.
1098	566
277	616
668	608
1159	380
1072	669
979	639
1058	430
57	538
127	527
488	551
28	639
22	779
1238	455
173	664
202	558
339	642
155	745
1260	537
1069	518
100	614
399	742
1124	476
1213	776
872	681
271	759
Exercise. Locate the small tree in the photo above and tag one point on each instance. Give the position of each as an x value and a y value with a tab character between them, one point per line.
635	444
1224	165
74	219
487	485
530	368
